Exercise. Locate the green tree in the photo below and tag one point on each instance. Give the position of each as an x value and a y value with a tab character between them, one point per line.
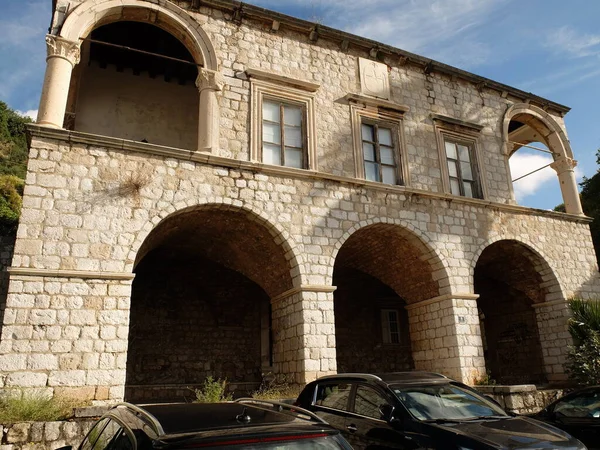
13	166
590	202
584	357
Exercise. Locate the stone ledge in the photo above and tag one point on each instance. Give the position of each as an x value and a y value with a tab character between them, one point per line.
507	389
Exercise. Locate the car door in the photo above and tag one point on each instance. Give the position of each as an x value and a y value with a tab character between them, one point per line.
331	403
367	426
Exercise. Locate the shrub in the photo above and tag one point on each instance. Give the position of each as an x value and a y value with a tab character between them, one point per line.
485	380
212	391
583	364
38	407
273	388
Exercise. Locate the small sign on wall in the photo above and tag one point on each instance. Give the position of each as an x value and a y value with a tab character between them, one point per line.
374	79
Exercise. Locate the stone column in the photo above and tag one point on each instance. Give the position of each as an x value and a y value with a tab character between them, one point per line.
209	82
552	321
304	333
568	184
446	336
62	57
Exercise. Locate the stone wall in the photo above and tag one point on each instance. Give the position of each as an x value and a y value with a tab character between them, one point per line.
521	399
44	435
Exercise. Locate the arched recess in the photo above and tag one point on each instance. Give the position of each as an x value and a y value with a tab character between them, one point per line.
200	303
511	278
118	92
524	124
379	270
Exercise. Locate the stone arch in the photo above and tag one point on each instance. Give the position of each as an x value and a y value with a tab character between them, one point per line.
515	284
381	268
543	123
204	300
539	261
280	235
80	22
440	269
524	123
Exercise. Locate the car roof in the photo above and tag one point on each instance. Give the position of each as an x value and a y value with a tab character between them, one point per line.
173	419
395	378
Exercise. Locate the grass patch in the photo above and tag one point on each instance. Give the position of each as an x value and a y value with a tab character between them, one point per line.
276	388
36	407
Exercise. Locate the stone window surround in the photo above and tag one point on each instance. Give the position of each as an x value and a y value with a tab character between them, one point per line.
285	90
456	130
378	111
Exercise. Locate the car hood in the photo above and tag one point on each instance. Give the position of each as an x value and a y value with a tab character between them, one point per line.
513	433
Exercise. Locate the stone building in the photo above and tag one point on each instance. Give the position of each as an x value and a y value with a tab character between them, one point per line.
218	189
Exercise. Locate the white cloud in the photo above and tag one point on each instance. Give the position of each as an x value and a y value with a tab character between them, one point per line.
32	113
523	163
575	44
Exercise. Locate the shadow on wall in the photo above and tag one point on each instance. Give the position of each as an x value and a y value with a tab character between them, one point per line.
7	246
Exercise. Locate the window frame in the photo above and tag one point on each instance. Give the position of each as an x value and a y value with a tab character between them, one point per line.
386	332
265	86
477	192
303	119
462	133
379	116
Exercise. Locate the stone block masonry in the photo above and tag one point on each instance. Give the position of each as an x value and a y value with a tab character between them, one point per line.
145	264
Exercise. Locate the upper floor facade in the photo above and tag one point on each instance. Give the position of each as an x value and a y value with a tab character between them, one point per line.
228	80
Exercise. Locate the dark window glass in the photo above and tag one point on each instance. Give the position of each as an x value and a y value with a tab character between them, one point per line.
368	402
333	395
587	405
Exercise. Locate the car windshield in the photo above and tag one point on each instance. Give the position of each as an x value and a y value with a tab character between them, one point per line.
446	402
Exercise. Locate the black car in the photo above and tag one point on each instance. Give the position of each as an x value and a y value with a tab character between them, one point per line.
578	413
417	410
247	424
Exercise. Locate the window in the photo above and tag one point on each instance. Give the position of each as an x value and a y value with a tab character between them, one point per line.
379	152
462	170
283	136
333	395
378	140
390	326
457	144
368	402
107	434
283	124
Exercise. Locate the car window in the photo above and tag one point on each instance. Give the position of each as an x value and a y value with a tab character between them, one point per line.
586	404
107	434
445	402
333	395
367	402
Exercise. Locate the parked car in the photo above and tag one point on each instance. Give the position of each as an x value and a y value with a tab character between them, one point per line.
247	424
578	413
416	410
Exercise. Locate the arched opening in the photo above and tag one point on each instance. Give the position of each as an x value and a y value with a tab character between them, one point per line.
135	81
510	280
531	172
378	271
543	148
200	304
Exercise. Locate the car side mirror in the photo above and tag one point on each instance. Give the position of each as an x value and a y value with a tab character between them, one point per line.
387	413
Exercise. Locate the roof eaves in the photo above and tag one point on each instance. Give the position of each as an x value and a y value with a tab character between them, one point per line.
432	65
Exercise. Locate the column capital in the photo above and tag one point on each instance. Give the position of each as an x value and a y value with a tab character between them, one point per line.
59	47
563	164
209	79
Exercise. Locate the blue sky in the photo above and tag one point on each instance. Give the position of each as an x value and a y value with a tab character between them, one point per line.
548	47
